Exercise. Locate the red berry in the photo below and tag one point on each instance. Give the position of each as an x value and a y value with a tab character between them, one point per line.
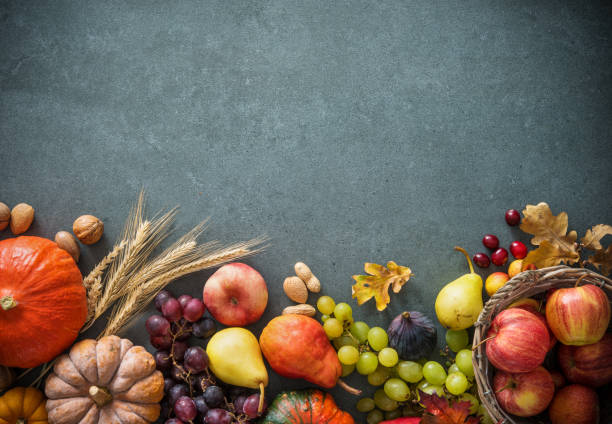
518	249
482	260
499	257
490	241
513	217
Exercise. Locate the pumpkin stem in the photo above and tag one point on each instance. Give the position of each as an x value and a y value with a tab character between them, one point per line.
100	395
7	302
261	398
348	388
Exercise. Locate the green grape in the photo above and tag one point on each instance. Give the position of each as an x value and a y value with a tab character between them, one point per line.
453	368
343	312
347	369
434	388
324	317
397	389
457	339
359	330
383	401
333	328
485	418
391	415
365	405
464	362
375	416
367	363
378	377
348	355
456	383
344	340
434	373
378	339
474	404
410	371
388	357
326	305
423	384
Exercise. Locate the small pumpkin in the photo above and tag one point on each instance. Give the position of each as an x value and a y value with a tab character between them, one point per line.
42	301
105	381
310	406
22	405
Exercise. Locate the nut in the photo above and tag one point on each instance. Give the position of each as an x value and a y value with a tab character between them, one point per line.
5	216
88	229
303	271
295	289
66	241
22	216
303	309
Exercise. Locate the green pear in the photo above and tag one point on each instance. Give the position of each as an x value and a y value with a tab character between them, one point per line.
235	358
459	303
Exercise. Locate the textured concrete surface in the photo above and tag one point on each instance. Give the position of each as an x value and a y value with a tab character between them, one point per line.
345	131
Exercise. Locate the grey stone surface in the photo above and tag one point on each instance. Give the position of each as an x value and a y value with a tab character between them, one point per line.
347	131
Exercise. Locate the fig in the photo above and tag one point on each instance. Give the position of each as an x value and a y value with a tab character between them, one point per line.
412	335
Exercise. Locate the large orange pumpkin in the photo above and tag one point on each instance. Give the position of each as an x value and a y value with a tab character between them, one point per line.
42	301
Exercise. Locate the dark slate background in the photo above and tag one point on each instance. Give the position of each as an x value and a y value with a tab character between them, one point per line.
346	131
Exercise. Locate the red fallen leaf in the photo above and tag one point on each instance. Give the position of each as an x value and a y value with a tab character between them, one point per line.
403	420
439	411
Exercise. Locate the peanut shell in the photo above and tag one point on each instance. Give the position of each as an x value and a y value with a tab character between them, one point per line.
303	309
295	289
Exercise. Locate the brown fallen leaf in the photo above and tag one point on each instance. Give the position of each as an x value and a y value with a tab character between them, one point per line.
602	260
548	254
377	283
591	239
439	411
543	225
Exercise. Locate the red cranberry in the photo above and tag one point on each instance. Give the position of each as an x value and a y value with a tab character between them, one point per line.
490	241
499	257
513	217
518	249
482	260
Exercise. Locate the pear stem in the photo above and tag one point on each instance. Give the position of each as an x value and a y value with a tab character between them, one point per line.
462	250
261	398
482	341
348	388
7	302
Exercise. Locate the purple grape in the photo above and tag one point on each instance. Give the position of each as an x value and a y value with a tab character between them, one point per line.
185	408
239	403
178	350
193	310
168	384
178	373
251	404
176	392
196	359
218	416
213	395
182	330
200	382
162	360
183	299
161	342
173	421
160	298
201	405
172	309
204	328
157	325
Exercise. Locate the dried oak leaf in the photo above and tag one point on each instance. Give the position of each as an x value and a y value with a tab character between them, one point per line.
594	235
377	283
543	225
548	254
439	411
602	260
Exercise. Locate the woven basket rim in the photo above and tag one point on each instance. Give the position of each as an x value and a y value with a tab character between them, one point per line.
526	284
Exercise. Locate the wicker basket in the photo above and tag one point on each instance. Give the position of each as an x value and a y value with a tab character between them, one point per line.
525	284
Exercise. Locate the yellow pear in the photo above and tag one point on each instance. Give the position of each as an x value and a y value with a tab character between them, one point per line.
459	303
235	358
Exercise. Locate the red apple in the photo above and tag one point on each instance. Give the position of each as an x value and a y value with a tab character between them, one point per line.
574	404
524	394
236	295
529	307
558	379
518	341
578	315
590	365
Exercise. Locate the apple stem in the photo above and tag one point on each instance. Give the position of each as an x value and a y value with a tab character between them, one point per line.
348	388
261	398
482	341
580	279
462	250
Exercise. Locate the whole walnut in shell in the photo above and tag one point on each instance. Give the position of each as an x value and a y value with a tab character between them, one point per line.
88	229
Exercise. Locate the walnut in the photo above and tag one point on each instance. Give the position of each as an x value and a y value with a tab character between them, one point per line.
88	229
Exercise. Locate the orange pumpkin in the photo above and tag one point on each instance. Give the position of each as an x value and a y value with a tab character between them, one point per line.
305	407
23	405
42	301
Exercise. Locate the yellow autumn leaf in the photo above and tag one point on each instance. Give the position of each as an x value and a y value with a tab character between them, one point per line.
548	254
602	260
591	239
377	283
543	225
